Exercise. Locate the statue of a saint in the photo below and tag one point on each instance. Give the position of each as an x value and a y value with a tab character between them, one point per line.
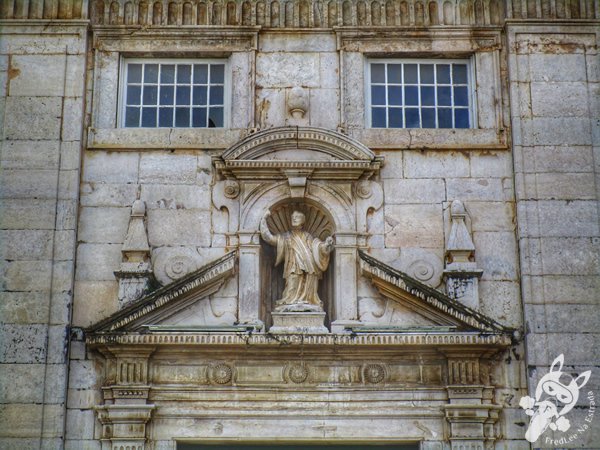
305	258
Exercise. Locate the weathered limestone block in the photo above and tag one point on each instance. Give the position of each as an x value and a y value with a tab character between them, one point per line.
179	227
402	191
17	184
552	67
492	216
96	300
31	154
324	108
277	70
491	164
496	255
97	262
270	107
564	99
168	168
103	225
38	75
571	256
273	42
483	189
23	344
27	214
171	196
26	244
558	159
24	307
27	275
114	167
414	226
559	186
498	300
72	119
436	164
32	118
109	194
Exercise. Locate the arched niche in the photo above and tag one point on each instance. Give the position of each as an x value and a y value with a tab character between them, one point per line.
321	170
320	224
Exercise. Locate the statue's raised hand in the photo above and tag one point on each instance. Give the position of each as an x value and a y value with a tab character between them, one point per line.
329	243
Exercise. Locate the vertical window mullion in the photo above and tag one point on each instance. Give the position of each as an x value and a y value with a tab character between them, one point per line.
403	95
452	94
435	100
158	95
386	88
142	94
191	95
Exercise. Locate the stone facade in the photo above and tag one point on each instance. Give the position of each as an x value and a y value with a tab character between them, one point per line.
137	294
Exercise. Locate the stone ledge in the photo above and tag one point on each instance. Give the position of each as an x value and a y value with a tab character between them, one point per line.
162	138
434	139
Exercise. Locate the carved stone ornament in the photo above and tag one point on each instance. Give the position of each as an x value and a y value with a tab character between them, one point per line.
363	189
170	264
374	373
232	189
297	373
221	373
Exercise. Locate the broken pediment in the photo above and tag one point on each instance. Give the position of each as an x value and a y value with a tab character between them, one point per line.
184	302
281	153
418	305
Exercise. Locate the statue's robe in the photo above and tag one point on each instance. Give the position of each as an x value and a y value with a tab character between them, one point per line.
305	259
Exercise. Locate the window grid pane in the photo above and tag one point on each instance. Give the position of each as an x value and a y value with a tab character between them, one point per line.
168	94
432	94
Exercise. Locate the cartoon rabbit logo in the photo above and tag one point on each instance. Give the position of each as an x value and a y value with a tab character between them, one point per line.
553	399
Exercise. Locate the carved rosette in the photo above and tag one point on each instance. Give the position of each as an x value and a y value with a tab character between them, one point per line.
374	373
221	373
296	373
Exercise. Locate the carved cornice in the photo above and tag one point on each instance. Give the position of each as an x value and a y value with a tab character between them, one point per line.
411	339
202	282
432	302
307	14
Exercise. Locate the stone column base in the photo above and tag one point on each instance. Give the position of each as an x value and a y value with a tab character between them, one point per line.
302	322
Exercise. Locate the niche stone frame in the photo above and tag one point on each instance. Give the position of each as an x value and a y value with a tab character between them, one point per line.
319	170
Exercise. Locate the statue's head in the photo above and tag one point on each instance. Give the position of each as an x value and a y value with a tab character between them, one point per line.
298	219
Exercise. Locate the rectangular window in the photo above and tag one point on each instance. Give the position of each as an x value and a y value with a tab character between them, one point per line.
419	93
165	93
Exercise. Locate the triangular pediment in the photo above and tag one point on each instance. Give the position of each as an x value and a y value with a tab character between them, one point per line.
422	304
177	303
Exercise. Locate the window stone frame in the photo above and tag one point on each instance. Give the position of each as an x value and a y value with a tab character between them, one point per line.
110	45
481	46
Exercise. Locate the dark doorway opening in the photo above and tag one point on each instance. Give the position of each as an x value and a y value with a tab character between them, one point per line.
226	446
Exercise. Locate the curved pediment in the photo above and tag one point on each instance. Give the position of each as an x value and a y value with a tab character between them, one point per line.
280	153
306	143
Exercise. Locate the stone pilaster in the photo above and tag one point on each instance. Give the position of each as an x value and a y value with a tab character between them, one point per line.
470	412
125	412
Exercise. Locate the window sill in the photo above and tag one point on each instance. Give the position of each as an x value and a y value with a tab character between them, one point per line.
438	139
163	138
